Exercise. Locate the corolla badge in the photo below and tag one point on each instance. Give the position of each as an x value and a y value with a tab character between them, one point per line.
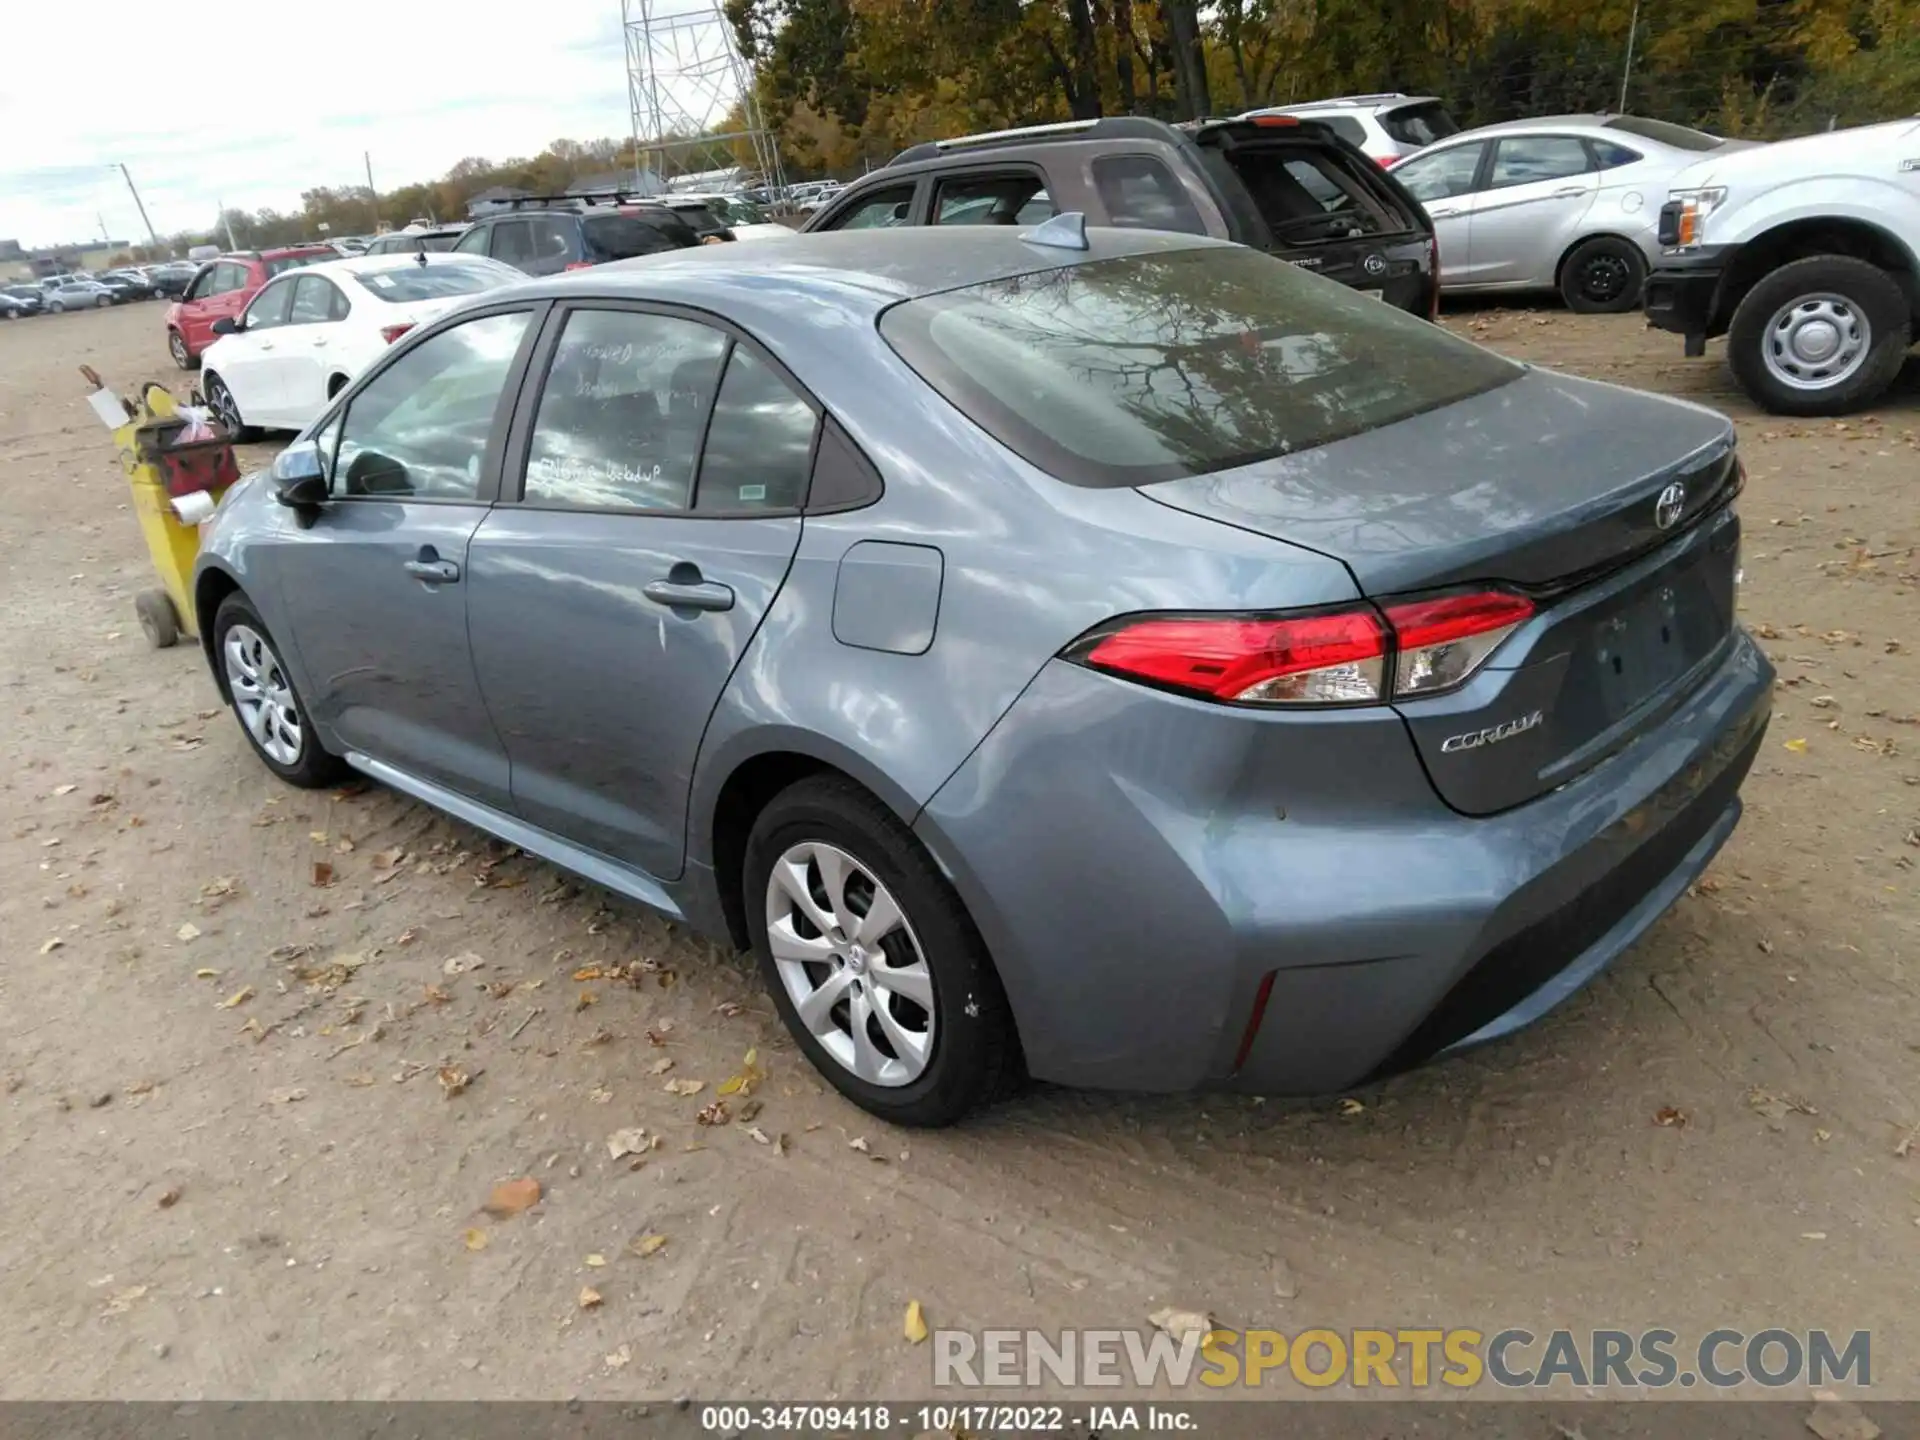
1375	265
1671	505
1492	735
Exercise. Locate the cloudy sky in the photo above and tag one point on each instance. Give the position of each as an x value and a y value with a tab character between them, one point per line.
235	102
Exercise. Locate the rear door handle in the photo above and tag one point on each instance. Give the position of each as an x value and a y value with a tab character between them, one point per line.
1569	192
434	572
1441	214
689	595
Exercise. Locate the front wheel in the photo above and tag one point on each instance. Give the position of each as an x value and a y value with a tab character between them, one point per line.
54	307
871	958
103	302
1820	336
1603	276
269	709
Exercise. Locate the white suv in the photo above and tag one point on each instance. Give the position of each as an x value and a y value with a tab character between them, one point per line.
1388	127
1806	256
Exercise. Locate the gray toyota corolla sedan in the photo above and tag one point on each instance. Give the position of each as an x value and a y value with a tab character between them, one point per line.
1115	657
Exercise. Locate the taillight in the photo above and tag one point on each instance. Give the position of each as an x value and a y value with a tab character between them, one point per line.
391	333
579	265
1276	122
1440	642
1350	656
1433	271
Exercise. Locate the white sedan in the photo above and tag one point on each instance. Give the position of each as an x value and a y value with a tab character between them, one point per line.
310	331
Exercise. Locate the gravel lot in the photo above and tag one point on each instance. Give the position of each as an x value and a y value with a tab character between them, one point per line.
230	1166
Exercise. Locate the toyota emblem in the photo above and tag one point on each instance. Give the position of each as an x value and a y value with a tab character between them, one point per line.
1374	264
1671	505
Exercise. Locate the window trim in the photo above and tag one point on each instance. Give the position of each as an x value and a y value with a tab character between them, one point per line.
487	492
1482	168
329	318
519	444
246	311
854	196
484	230
942	179
1174	172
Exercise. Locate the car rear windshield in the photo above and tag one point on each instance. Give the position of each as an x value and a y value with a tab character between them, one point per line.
402	285
620	237
1422	124
1681	137
701	219
1175	363
280	264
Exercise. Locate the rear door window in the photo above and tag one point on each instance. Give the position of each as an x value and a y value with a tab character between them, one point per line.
474	242
621	237
1019	198
1345	126
513	243
1309	192
759	448
622	412
269	307
316	301
1527	159
1139	192
877	210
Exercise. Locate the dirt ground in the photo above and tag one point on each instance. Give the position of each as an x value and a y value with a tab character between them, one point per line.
230	1165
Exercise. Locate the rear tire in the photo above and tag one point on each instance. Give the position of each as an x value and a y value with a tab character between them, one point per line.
1603	276
177	347
970	1053
255	677
55	307
1777	343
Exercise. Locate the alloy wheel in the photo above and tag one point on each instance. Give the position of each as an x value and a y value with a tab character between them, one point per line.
177	345
228	413
263	696
1816	341
851	964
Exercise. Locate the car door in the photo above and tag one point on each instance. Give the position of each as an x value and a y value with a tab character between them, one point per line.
475	241
1537	192
376	585
512	243
1443	180
315	337
217	293
252	363
881	208
629	564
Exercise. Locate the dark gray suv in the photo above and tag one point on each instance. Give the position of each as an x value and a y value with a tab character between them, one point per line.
1290	187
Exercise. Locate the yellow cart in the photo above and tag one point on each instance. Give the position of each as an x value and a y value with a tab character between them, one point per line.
164	469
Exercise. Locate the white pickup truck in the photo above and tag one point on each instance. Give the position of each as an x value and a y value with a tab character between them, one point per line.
1806	256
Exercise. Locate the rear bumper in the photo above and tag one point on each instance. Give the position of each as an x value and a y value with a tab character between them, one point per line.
1682	295
1134	930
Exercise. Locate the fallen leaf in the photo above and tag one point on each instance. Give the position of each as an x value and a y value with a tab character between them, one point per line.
657	1034
511	1197
169	1198
589	972
1835	1419
594	1262
56	943
319	837
461	964
859	1142
345	846
1350	1106
620	1358
287	1097
589	1298
749	1110
647	1245
454	1081
1813	1234
600	1095
1798	747
188	931
121	1301
203	973
322	873
626	1142
759	1136
1181	1323
65	789
1671	1116
387	859
239	997
475	1238
684	1087
661	1066
713	1113
916	1324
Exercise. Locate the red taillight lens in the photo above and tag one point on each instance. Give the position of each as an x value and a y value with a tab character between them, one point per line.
579	265
1321	659
1276	122
1338	657
1442	641
391	333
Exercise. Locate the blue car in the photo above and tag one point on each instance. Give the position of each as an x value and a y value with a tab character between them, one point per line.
1109	656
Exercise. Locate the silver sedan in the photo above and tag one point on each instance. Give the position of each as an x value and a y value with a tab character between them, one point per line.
1567	203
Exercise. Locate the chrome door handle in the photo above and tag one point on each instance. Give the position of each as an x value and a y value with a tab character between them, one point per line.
318	344
1441	214
1569	192
694	595
434	572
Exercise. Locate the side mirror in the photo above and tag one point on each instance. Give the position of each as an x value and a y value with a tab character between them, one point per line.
300	476
226	325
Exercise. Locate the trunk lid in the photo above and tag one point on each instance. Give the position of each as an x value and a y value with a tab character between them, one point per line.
1561	488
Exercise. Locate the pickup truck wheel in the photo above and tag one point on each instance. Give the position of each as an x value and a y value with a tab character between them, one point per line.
1820	336
1603	276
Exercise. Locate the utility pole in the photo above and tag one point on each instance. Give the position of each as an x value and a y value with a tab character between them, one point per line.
373	195
1626	70
152	235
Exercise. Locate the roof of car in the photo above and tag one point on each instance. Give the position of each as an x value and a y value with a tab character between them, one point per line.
1542	122
357	265
868	269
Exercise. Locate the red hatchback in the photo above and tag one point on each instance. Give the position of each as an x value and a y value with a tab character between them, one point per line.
222	288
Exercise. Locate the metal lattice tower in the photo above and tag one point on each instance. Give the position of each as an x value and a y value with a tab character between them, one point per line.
691	93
